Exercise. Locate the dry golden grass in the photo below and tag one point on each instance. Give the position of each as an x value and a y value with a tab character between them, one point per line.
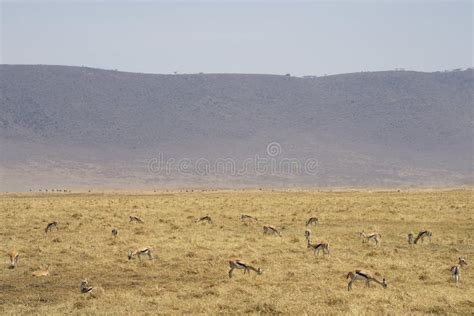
189	273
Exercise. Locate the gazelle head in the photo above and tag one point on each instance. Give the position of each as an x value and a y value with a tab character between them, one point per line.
14	256
130	255
259	271
84	282
462	261
361	234
384	283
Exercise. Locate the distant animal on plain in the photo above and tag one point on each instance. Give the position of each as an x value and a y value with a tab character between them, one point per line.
312	221
240	265
14	257
270	230
371	236
114	232
422	235
324	246
50	226
141	252
135	219
248	218
456	270
363	276
205	219
85	288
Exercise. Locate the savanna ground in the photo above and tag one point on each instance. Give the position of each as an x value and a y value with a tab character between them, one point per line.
189	273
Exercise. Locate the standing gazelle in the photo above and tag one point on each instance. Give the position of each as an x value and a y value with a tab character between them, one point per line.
307	235
456	270
85	288
363	276
248	218
205	219
50	226
135	219
410	238
422	235
14	256
240	265
372	236
270	230
324	246
312	221
140	252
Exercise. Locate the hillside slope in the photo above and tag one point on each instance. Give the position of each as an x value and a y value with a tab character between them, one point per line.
78	126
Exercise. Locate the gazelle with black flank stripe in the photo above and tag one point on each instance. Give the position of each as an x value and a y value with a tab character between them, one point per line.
270	230
240	265
205	219
50	226
135	219
363	276
141	252
456	270
248	218
422	235
324	246
372	236
312	221
85	288
14	256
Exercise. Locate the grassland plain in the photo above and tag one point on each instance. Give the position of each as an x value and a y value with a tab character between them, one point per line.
189	273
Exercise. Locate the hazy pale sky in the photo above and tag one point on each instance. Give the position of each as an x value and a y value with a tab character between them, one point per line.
305	38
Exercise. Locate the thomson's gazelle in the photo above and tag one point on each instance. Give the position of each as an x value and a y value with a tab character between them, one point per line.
410	238
456	270
205	219
240	265
248	218
270	230
50	226
422	235
135	219
14	256
312	221
85	288
140	252
307	235
324	246
363	276
372	236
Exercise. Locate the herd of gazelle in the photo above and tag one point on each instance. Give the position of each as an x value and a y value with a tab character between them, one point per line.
268	230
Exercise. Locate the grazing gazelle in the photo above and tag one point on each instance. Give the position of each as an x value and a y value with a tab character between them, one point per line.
140	252
114	232
363	276
50	226
14	256
270	230
456	270
410	238
324	246
248	218
312	221
41	273
372	236
240	265
135	219
307	235
205	219
422	235
85	288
